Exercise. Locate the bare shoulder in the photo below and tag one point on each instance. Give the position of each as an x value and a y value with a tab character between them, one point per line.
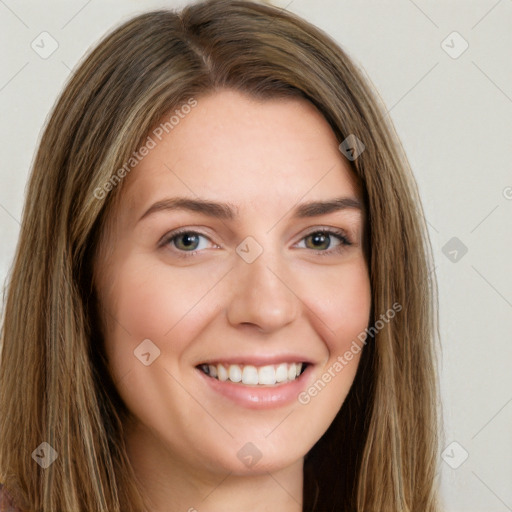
6	502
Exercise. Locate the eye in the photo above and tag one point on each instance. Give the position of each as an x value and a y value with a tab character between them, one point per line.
186	242
321	240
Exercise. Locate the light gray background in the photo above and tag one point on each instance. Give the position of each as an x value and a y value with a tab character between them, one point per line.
454	116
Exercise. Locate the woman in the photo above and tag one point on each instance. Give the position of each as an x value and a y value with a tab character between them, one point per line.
288	360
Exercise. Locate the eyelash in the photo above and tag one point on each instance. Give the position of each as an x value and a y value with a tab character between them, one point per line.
339	234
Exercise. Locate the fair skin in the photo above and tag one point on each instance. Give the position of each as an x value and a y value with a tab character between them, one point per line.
305	298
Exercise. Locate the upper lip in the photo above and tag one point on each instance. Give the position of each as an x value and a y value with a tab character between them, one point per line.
257	360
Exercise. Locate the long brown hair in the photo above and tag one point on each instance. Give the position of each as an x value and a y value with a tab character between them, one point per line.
381	451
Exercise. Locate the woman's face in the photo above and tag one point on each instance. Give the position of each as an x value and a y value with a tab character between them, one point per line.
249	288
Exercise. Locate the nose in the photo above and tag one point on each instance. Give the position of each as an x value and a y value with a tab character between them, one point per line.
263	295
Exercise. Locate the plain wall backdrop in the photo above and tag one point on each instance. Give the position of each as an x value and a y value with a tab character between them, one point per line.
444	72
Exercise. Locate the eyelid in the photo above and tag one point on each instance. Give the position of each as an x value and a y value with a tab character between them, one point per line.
331	230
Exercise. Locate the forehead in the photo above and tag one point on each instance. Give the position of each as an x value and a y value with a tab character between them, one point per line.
253	153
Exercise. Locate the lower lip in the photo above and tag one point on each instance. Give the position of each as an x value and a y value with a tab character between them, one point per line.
259	397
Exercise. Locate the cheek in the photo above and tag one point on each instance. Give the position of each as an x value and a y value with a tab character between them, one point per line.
145	302
340	303
339	306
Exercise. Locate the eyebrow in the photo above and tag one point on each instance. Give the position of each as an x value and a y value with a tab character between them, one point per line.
229	211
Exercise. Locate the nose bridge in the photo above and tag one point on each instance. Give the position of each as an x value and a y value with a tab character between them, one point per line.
262	294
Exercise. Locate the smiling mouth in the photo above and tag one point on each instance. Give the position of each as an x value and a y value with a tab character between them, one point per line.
249	375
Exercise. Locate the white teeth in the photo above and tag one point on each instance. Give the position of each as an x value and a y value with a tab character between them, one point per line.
282	372
235	373
222	374
267	375
250	375
292	371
